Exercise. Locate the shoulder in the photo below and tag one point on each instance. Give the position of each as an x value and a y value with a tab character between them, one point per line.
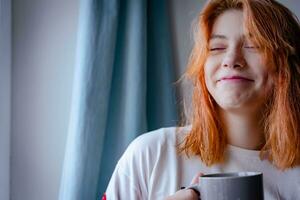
154	144
145	155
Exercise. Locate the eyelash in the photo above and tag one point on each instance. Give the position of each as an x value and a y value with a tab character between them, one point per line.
250	47
222	48
216	49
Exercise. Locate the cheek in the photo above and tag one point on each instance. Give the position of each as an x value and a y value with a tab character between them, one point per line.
265	80
210	70
264	73
208	73
210	83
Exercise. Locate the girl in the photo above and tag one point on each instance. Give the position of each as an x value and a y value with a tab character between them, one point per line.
245	69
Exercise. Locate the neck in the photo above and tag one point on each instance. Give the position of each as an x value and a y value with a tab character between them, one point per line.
243	129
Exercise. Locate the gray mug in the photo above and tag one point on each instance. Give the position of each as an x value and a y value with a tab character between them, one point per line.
230	186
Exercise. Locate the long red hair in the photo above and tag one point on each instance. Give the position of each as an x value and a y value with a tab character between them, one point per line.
277	32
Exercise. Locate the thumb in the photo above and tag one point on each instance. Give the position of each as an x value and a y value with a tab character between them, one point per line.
195	179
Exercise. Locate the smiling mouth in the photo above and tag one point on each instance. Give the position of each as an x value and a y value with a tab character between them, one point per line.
236	79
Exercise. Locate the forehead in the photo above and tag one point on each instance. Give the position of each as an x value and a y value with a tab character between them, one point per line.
229	25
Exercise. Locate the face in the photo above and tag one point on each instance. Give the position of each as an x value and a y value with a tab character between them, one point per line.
236	75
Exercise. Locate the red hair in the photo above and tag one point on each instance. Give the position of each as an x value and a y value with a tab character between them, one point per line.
277	32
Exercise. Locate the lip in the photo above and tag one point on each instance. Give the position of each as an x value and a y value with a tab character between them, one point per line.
235	78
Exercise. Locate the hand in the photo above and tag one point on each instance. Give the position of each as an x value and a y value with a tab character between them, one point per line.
186	194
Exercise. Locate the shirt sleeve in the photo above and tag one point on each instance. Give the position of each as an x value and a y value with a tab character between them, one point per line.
121	186
131	175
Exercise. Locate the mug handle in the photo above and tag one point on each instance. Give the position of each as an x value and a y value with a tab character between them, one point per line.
194	187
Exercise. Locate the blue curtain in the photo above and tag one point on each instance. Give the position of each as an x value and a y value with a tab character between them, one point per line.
123	87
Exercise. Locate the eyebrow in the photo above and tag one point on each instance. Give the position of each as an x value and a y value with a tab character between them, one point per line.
217	36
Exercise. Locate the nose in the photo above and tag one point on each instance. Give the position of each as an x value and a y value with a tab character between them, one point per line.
234	59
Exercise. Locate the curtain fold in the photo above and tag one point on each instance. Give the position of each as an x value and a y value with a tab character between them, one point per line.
123	87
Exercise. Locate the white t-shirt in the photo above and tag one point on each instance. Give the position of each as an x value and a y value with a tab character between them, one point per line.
151	168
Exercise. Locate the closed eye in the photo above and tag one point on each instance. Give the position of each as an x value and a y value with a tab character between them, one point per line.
217	49
251	47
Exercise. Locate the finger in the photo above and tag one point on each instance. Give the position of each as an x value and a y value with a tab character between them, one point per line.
183	194
195	179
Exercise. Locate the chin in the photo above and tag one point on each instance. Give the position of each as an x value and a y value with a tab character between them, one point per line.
231	107
239	107
232	104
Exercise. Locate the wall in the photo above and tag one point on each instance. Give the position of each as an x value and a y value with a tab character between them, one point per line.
183	14
5	95
44	39
293	5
